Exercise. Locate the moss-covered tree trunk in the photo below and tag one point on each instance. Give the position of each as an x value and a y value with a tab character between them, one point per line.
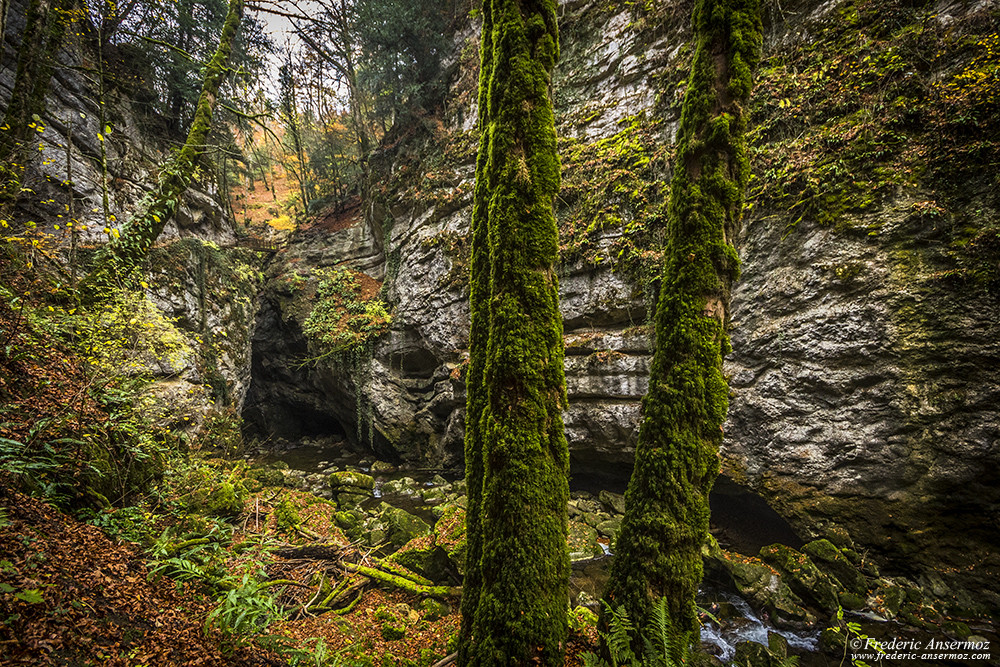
515	594
479	330
119	259
658	551
45	27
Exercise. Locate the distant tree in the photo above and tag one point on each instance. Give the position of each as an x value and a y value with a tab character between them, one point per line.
333	35
515	592
658	550
168	43
290	115
401	44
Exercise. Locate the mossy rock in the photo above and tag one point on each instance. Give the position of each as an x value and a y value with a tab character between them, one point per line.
267	476
393	632
349	500
832	641
802	576
830	559
612	502
345	480
610	527
382	467
889	598
406	486
286	516
582	541
433	496
434	609
449	535
401	526
351	523
426	559
957	629
752	654
838	536
851	601
227	499
757	582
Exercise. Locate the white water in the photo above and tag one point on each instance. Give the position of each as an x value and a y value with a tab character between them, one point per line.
749	627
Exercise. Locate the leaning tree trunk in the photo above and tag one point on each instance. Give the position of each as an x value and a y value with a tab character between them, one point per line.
517	454
118	261
658	552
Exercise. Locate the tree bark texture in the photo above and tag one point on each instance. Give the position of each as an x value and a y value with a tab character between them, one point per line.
658	551
515	593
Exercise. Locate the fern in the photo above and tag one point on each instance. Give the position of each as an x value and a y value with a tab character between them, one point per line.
661	647
180	569
619	636
246	609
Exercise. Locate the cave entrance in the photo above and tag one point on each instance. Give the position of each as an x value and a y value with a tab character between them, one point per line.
279	422
743	522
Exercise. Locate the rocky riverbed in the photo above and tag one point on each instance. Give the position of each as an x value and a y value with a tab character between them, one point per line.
780	600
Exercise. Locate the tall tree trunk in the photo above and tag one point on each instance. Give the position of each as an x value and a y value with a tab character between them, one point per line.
4	5
121	258
518	460
305	184
658	551
479	333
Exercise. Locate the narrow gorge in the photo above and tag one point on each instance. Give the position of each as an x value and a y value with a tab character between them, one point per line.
859	466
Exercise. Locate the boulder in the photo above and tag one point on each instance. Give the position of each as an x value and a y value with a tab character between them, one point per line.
401	526
802	576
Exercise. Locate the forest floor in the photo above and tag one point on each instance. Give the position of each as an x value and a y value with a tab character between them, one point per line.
70	595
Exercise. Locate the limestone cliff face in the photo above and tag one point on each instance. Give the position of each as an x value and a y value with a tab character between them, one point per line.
196	275
865	373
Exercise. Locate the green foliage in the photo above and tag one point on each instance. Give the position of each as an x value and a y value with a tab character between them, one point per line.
850	633
221	431
167	46
131	524
317	655
42	469
245	610
342	319
128	335
401	46
660	645
581	618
